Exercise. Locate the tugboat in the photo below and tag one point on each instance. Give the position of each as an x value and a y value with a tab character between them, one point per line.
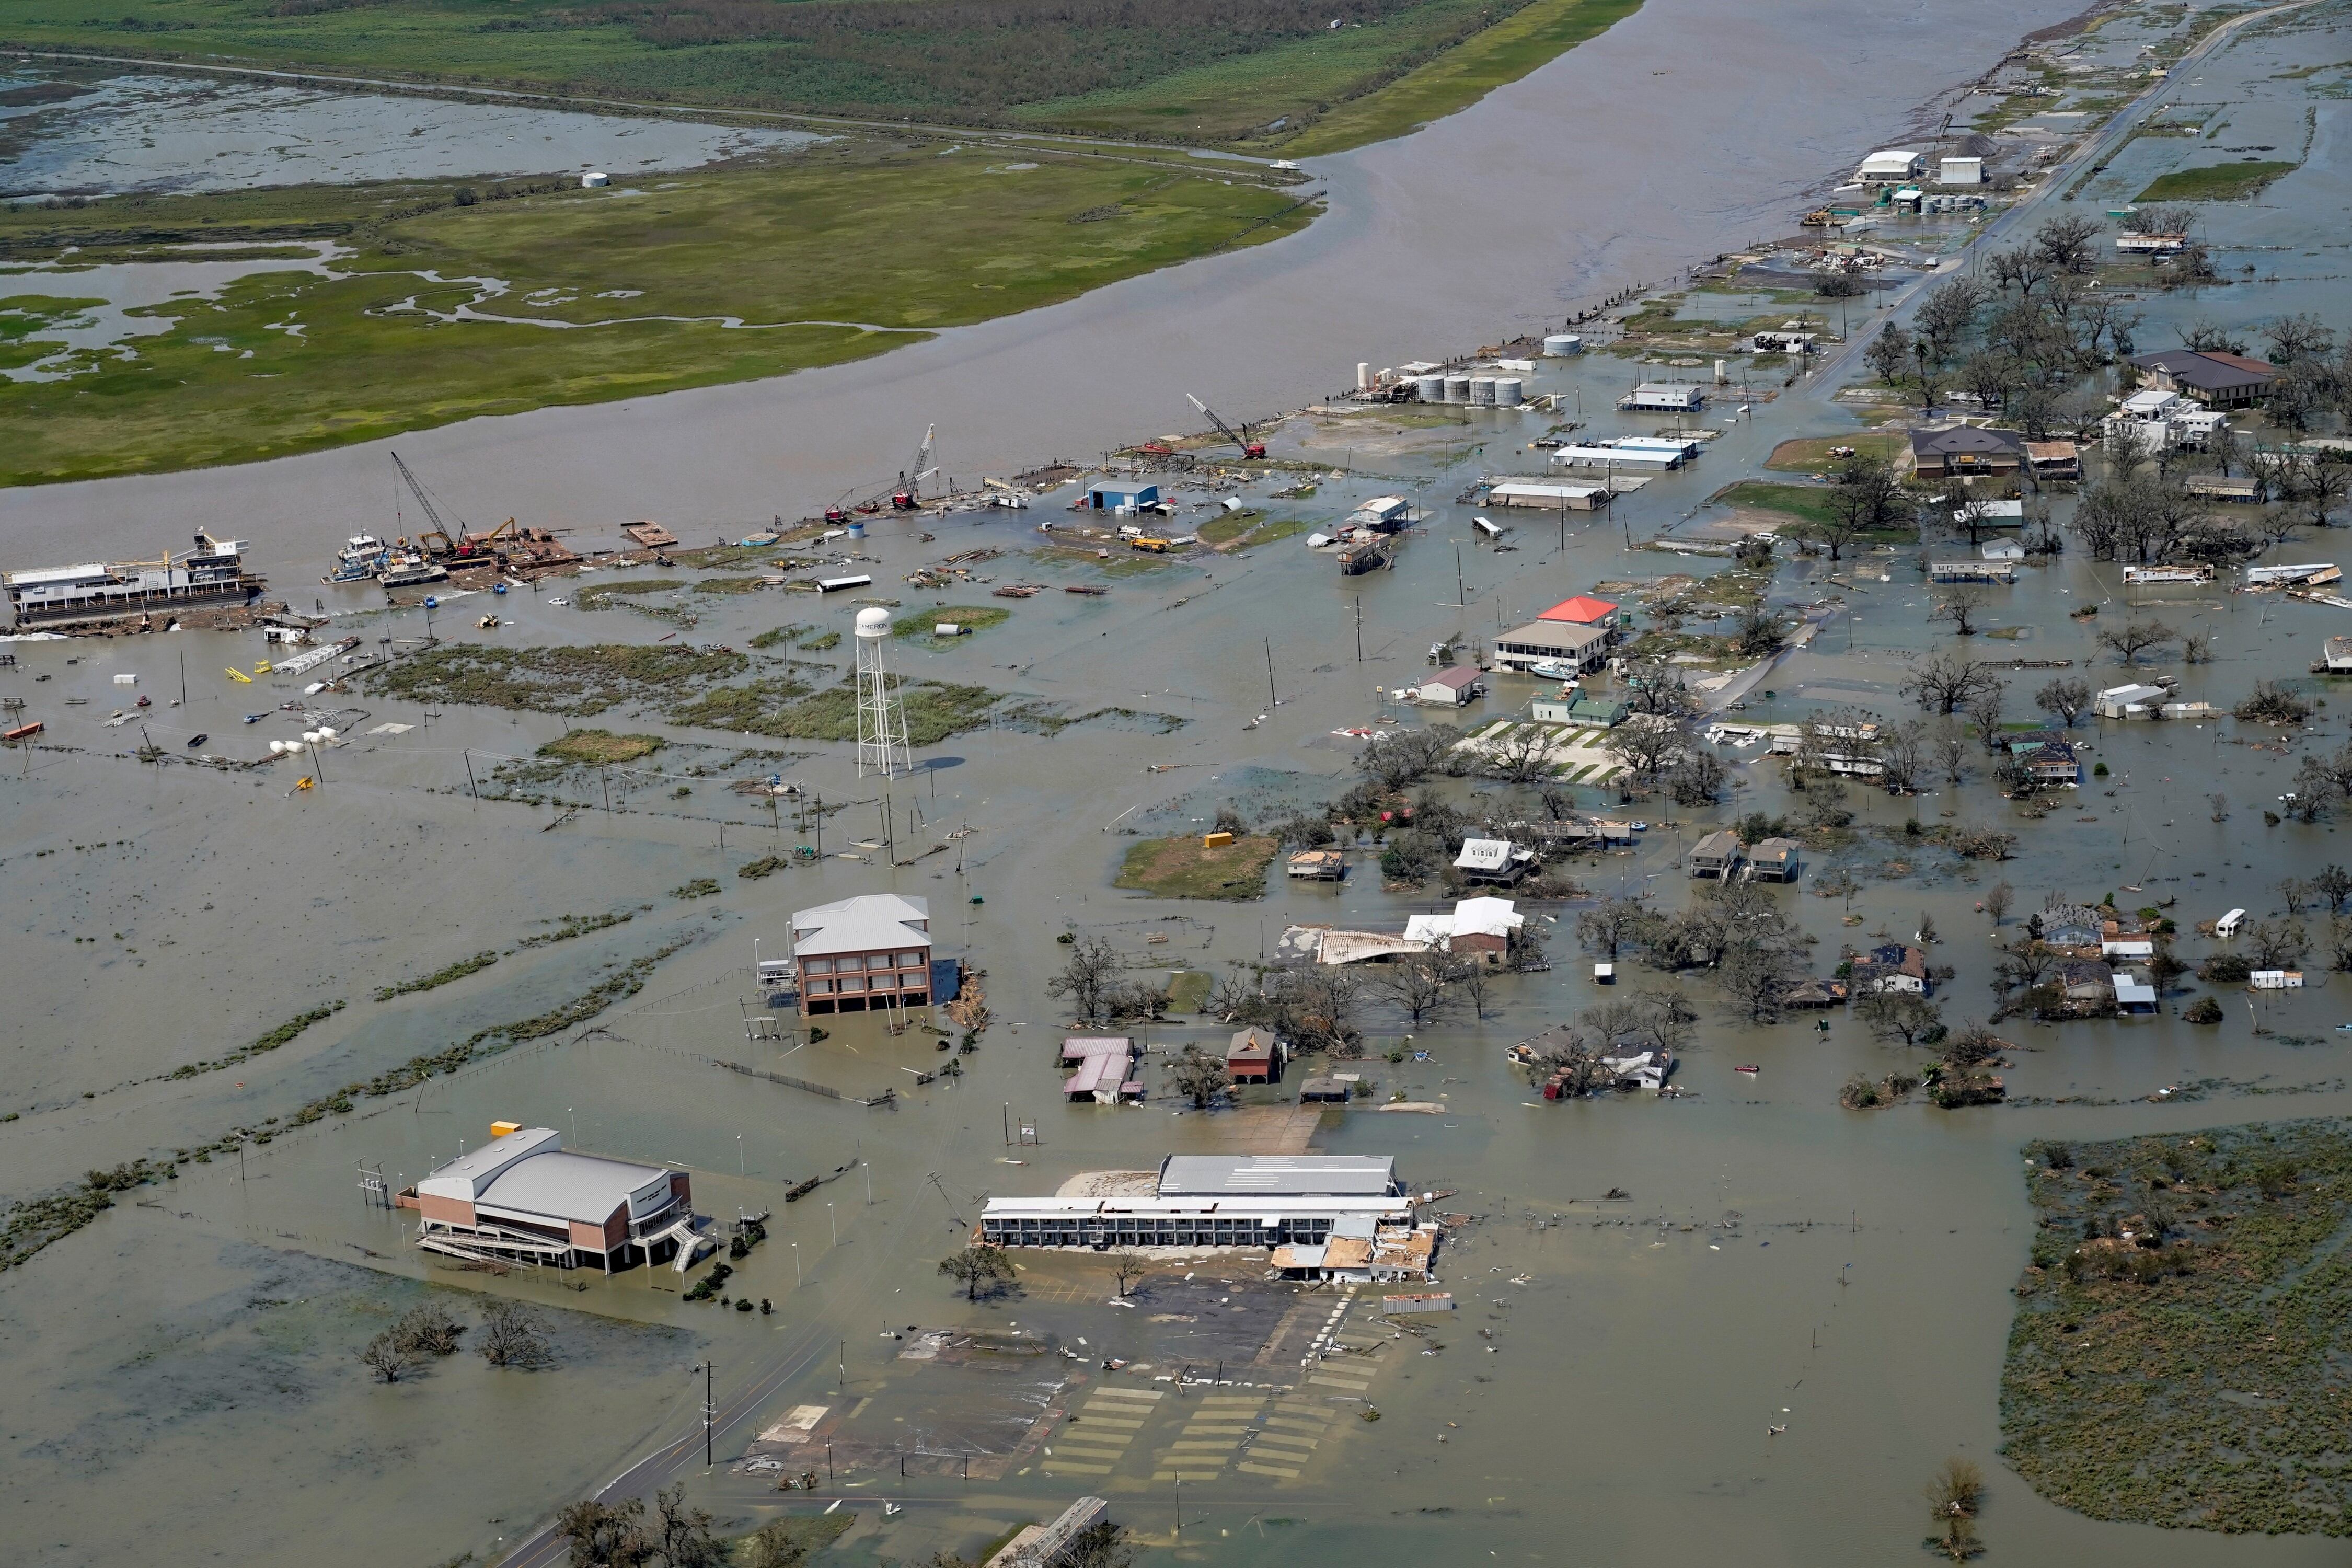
361	557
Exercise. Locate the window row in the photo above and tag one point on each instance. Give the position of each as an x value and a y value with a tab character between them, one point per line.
855	962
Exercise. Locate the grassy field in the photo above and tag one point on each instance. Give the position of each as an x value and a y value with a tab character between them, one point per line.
809	238
2215	181
970	617
1463	75
1181	867
1806	454
1183	70
1808	503
2189	1374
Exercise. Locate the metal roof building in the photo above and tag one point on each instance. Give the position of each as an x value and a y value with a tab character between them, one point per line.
522	1197
1212	1200
1289	1175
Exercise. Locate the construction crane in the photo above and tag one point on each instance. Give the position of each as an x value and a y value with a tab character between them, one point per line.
909	494
447	544
1238	437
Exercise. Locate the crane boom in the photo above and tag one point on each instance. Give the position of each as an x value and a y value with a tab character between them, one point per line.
909	494
1240	438
439	530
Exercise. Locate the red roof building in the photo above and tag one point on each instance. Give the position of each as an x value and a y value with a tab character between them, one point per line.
1584	610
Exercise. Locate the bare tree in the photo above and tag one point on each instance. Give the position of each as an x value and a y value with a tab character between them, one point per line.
2299	337
975	1267
1696	777
1477	983
1416	984
1984	716
2220	803
1645	748
1089	979
1961	606
1944	684
2294	893
2064	699
1127	1267
1899	1015
513	1335
386	1357
427	1329
2065	243
1610	925
2136	637
2274	946
1947	744
1998	901
1197	1076
1902	752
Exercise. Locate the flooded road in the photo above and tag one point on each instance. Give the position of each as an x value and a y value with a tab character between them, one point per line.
186	1363
1627	159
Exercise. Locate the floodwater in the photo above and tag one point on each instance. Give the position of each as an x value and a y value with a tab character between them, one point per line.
140	130
1624	159
185	1363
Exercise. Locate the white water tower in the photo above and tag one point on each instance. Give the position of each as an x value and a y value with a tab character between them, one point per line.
881	716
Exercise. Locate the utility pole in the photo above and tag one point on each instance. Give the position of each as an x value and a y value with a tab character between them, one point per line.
184	679
470	784
709	1413
1272	702
1359	629
1461	597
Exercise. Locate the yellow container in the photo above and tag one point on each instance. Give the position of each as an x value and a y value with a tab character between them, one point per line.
1215	840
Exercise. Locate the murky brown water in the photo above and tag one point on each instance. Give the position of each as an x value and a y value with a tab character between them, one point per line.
184	1367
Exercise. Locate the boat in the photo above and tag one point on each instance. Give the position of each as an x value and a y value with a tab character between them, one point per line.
255	718
404	570
1748	1067
145	702
360	557
199	740
1553	669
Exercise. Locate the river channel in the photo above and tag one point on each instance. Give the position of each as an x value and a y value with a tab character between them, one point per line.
184	1369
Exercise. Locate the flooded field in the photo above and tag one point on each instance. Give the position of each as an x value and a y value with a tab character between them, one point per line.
1627	1377
82	132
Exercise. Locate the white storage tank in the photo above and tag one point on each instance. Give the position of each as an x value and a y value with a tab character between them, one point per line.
1561	344
1430	388
594	178
1509	392
1363	375
1482	391
1457	389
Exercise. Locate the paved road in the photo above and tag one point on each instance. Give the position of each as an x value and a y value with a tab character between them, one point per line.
1830	376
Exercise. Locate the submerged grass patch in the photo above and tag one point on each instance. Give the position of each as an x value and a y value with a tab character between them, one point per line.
597	746
439	977
577	681
2179	1350
2215	181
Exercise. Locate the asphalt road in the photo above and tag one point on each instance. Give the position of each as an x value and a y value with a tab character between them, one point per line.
1830	376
